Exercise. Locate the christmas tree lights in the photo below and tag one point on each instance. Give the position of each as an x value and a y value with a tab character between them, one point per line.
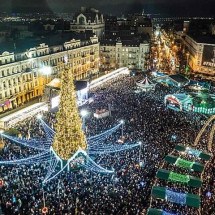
69	136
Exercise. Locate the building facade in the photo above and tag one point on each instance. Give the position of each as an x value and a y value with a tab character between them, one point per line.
23	76
88	19
201	54
133	25
131	54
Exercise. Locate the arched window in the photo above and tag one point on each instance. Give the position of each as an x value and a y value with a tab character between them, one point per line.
81	20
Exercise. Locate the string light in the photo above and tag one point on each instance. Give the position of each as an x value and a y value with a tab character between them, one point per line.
38	158
42	145
203	129
91	140
111	148
100	137
48	131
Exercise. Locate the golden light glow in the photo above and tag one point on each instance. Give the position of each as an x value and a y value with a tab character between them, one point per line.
69	135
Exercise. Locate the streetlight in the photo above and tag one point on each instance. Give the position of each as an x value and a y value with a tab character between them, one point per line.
122	122
140	151
46	70
1	132
187	58
39	116
83	113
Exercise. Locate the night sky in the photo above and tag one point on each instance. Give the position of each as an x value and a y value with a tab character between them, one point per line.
165	7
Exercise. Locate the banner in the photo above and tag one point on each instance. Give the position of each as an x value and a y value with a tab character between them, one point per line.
208	57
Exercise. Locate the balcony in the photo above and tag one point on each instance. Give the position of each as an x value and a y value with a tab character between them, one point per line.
28	80
28	70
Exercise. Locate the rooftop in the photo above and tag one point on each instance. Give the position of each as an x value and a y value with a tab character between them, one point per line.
22	45
179	78
209	39
56	84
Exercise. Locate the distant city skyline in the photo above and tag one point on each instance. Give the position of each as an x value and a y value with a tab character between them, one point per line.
115	7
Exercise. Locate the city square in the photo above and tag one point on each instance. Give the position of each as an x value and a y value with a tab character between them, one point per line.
106	115
98	191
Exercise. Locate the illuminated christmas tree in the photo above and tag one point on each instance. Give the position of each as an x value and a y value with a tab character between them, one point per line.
69	135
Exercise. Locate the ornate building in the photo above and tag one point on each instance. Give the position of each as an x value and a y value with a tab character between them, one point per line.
201	53
23	76
88	19
126	53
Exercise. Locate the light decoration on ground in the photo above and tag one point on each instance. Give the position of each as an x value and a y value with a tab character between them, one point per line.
175	197
67	146
184	163
194	152
166	213
178	177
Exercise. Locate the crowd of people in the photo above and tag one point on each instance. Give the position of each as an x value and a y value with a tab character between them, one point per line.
128	190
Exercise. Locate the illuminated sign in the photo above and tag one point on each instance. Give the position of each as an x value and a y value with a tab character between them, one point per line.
208	58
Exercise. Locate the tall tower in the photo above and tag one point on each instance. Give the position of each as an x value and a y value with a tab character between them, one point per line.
69	135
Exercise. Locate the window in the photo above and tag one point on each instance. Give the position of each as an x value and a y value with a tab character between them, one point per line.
81	20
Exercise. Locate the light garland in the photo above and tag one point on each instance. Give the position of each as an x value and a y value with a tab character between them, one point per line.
53	162
94	167
211	137
38	158
203	129
48	131
111	148
42	145
102	136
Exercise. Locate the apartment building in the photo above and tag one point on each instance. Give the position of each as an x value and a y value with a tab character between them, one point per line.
23	76
201	53
124	53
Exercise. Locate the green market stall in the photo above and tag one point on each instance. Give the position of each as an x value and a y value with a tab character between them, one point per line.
194	152
176	177
188	199
184	163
